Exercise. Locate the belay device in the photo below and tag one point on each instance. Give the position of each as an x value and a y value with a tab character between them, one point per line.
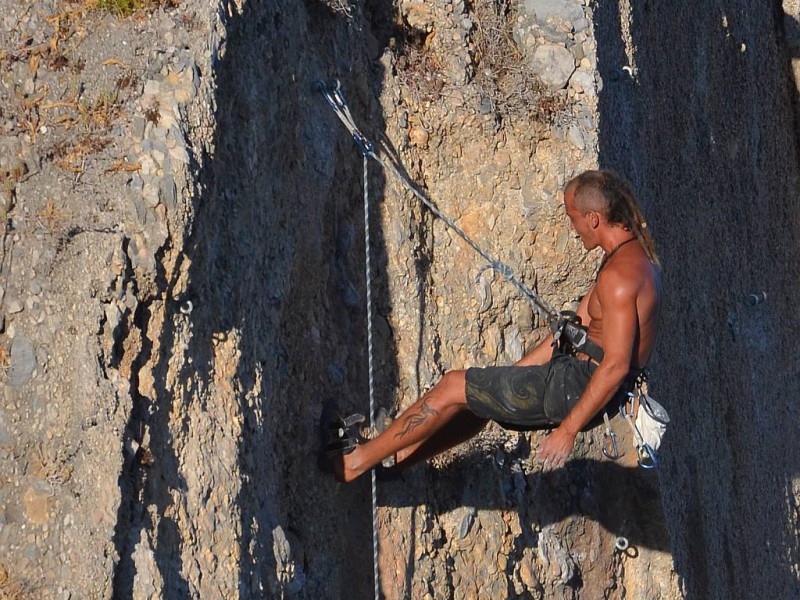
568	331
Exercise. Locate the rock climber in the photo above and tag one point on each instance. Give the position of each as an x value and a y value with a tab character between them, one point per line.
551	387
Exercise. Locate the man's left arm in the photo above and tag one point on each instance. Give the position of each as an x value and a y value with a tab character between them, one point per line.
617	297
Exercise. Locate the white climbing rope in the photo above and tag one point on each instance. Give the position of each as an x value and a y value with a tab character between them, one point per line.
336	100
371	369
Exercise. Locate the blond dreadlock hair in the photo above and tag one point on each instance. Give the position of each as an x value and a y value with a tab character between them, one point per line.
608	193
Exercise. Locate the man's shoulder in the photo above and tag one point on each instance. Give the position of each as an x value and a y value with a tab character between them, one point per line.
625	276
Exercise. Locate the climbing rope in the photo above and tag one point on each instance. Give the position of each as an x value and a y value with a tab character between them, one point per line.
336	100
560	322
371	370
564	323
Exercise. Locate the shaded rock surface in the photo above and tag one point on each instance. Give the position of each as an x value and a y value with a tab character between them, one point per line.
182	286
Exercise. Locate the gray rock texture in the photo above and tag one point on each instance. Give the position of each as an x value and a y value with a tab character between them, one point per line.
182	289
707	124
554	64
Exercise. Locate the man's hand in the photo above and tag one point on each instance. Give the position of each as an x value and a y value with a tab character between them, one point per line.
556	447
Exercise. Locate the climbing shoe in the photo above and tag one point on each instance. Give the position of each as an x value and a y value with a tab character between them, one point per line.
338	436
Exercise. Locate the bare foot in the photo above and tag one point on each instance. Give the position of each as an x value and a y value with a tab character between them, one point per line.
348	466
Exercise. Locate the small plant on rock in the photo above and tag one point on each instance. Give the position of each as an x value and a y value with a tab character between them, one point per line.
125	8
339	7
501	74
419	72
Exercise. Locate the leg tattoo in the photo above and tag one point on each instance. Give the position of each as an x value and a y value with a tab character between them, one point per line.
411	422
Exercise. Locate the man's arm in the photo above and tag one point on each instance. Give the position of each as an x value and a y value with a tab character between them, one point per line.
543	351
539	355
617	297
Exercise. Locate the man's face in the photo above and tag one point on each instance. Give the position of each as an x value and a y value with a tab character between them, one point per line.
581	223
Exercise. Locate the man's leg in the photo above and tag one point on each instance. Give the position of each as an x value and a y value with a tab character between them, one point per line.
464	426
414	427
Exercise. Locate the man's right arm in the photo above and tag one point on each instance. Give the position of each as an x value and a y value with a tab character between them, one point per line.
542	353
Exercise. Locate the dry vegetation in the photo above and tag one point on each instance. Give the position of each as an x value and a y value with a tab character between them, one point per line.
11	589
502	83
125	8
339	7
68	107
419	72
500	70
51	217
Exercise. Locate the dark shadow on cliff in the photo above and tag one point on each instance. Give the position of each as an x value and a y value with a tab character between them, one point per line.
275	273
150	468
624	500
705	132
285	271
789	39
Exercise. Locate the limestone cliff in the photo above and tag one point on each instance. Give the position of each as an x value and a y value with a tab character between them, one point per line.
183	288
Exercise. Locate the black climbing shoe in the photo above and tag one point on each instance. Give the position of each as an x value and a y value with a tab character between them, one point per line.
343	434
338	436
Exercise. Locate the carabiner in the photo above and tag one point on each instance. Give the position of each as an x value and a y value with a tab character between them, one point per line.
623	406
650	461
614	455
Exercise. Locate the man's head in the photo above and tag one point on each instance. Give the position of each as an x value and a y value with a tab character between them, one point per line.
586	219
598	199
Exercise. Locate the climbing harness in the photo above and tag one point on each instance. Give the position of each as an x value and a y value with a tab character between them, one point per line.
563	324
647	420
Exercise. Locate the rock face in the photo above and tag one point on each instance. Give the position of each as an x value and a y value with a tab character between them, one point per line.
723	137
182	288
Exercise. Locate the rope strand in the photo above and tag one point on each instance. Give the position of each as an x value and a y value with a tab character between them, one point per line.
336	100
371	370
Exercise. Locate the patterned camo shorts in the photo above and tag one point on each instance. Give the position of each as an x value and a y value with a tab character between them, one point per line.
523	398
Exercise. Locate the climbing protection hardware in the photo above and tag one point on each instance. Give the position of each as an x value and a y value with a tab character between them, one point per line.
609	437
645	454
755	298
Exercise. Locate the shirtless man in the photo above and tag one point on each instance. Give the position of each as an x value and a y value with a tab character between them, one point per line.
546	389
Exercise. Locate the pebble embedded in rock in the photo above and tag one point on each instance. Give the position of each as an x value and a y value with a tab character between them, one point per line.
14	305
167	192
23	362
553	64
575	137
549	10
